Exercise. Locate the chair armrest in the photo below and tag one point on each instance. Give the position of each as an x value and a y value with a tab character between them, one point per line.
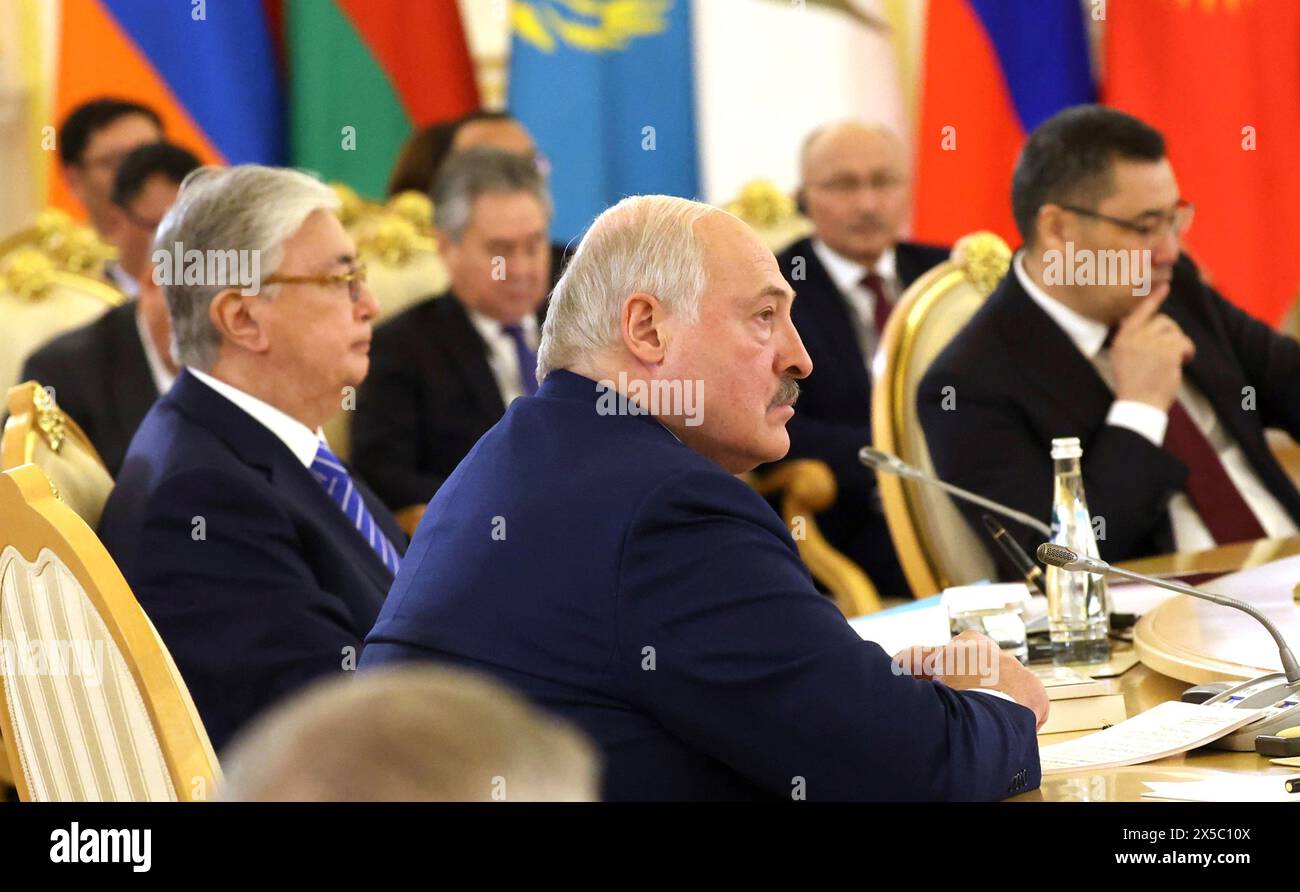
807	488
408	518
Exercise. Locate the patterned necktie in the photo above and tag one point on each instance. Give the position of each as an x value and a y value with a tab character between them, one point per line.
1222	508
527	358
876	284
327	468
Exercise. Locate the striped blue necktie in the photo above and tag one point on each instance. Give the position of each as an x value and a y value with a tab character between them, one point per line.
327	468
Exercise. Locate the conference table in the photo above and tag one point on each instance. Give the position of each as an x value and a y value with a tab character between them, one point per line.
1183	642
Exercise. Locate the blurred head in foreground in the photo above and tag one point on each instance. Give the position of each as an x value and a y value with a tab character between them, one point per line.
416	733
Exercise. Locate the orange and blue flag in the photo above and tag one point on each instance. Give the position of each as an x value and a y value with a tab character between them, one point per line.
210	69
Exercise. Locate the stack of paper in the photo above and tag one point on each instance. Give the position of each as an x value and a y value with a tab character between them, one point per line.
1079	703
1165	730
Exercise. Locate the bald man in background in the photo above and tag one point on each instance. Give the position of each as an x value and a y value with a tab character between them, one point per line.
855	188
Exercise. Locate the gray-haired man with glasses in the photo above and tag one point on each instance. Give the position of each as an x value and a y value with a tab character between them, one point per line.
258	555
1105	330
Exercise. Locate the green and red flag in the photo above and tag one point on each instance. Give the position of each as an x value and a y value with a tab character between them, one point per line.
363	74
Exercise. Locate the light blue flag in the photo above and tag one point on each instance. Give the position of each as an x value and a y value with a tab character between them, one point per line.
607	89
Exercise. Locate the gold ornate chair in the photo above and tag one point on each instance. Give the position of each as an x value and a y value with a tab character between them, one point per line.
92	707
408	518
396	242
38	432
51	281
807	487
935	546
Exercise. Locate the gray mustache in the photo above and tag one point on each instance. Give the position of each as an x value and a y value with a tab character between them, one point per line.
788	392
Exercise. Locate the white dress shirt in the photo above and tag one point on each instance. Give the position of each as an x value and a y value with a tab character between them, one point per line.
1190	532
293	433
122	280
162	376
502	356
847	275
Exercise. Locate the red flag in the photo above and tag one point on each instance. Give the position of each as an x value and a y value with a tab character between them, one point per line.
994	70
1221	80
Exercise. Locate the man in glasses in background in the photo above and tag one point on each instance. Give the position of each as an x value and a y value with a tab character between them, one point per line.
855	188
446	368
93	140
1105	330
259	557
108	373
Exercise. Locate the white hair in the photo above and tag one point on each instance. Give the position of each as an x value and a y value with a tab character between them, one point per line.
221	209
414	732
644	243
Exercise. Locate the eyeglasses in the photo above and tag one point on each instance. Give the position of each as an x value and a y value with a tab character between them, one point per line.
1148	226
542	163
354	278
878	182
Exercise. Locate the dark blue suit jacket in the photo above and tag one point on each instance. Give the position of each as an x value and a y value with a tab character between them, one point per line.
628	584
279	585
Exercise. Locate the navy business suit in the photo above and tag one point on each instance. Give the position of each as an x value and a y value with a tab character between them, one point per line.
627	583
280	583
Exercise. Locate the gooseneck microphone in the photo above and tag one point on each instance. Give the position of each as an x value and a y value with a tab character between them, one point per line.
1069	559
892	464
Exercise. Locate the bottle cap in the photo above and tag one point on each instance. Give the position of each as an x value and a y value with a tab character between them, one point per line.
1066	447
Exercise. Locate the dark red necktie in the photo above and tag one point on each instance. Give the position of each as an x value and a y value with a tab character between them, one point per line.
1211	491
876	283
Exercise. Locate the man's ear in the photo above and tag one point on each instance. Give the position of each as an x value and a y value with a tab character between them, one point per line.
238	320
74	178
114	221
448	248
1054	227
642	327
